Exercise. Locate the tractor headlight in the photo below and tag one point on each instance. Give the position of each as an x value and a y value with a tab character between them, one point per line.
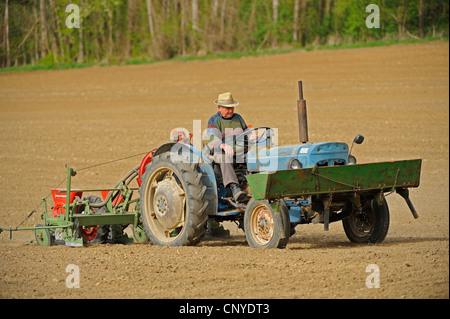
351	160
294	164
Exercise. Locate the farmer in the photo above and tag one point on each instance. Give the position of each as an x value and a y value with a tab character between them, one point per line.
222	129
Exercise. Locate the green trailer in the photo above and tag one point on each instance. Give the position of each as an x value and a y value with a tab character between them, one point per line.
354	194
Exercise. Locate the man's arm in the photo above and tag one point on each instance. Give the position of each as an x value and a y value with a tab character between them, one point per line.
213	135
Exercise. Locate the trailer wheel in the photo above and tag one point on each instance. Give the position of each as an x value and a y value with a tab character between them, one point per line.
172	202
370	225
96	234
264	227
43	236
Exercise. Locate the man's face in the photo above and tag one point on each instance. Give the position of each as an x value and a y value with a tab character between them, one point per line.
226	112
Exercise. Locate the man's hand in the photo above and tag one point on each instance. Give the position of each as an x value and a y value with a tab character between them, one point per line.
227	149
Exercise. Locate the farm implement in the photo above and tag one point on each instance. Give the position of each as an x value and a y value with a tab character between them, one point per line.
180	194
73	221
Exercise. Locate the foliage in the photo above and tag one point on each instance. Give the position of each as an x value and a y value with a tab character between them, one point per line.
117	31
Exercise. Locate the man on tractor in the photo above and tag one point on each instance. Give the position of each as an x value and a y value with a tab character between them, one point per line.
222	129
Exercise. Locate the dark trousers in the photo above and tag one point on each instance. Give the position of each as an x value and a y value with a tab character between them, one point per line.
226	167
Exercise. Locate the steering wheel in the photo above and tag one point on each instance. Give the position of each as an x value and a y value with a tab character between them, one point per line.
262	138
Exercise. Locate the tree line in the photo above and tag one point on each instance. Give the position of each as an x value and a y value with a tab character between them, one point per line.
112	31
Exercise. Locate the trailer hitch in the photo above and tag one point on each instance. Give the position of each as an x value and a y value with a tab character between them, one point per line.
10	231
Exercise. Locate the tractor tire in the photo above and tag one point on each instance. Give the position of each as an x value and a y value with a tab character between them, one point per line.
264	227
94	234
370	226
172	202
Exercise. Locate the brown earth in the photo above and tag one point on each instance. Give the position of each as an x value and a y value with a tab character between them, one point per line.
396	96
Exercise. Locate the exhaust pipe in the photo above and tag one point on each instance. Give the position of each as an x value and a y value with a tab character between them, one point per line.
302	118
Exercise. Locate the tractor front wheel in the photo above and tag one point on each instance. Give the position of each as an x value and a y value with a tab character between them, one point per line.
264	227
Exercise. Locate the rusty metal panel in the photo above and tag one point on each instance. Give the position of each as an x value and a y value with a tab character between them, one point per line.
336	179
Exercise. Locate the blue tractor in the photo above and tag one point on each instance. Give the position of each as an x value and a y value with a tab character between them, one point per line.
181	189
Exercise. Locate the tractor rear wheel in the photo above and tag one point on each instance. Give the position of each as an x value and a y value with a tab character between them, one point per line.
264	227
172	202
370	225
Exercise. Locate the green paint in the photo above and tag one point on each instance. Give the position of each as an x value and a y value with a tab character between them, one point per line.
384	176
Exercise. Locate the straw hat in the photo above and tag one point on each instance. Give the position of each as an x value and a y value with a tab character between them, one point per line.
226	100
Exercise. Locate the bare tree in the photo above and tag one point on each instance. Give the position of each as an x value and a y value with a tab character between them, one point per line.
215	8
109	17
52	32
401	13
36	38
319	21
155	37
150	18
80	58
183	26
131	8
58	34
83	14
195	15
327	17
304	7
44	40
421	15
295	22
275	22
222	19
8	61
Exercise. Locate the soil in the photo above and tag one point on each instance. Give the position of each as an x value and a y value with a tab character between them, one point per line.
396	96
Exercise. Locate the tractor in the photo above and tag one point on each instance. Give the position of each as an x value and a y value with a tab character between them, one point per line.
180	189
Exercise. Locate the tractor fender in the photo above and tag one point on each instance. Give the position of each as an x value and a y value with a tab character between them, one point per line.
185	149
167	147
146	160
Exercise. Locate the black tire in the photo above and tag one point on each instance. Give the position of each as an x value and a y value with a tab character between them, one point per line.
94	234
370	226
166	220
264	227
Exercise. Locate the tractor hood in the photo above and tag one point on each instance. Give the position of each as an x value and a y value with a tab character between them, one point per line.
308	155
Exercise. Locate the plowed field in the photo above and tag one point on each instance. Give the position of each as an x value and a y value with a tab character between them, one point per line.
396	96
